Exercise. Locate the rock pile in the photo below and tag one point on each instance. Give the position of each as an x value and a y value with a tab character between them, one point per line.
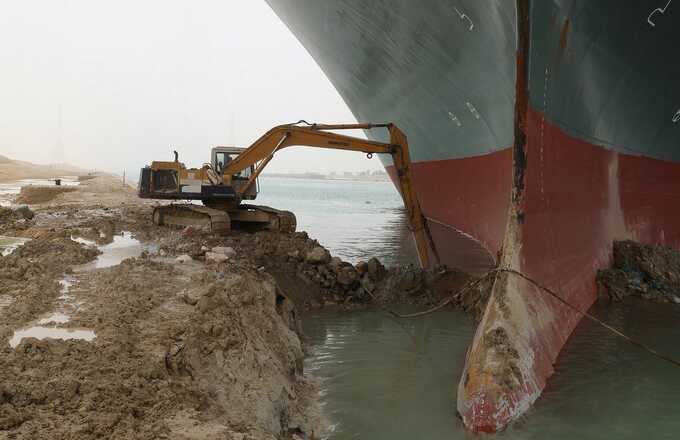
649	272
12	219
299	262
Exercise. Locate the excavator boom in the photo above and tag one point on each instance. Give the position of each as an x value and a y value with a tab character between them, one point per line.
261	152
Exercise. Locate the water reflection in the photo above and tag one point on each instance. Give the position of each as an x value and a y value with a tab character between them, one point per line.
121	247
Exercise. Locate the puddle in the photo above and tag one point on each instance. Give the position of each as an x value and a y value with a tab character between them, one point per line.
10	244
123	246
40	332
66	284
55	318
84	241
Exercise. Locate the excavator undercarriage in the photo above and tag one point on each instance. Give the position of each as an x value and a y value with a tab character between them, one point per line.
243	217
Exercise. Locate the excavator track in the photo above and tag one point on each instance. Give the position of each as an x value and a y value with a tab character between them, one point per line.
247	217
281	221
187	214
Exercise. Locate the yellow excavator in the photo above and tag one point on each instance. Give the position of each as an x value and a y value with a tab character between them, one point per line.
231	177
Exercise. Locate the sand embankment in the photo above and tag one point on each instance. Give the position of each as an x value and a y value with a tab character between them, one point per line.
11	170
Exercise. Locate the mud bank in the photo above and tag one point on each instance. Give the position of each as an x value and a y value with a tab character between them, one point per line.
40	194
195	336
648	272
313	278
180	349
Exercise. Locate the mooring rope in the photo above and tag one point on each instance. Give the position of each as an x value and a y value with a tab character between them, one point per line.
541	288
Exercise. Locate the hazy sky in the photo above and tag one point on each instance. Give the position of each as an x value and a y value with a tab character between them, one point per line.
114	85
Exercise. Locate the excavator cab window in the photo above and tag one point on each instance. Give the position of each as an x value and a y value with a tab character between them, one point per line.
221	160
243	174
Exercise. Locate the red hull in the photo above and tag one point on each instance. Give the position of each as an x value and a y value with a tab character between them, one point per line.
466	203
577	199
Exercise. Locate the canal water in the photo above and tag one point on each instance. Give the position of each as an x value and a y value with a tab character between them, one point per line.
355	220
383	378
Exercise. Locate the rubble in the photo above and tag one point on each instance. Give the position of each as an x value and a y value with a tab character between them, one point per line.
183	258
215	257
314	278
318	255
648	272
25	212
224	250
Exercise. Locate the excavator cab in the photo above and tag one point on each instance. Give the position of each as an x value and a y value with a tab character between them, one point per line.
221	157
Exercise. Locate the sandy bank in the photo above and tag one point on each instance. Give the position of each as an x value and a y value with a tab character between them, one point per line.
11	170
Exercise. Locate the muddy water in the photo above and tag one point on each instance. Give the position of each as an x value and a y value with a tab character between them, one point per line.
123	246
40	332
388	379
10	244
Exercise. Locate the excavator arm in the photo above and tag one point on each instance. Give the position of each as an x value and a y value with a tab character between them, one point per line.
262	151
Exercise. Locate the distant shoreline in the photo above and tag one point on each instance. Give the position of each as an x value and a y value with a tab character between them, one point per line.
356	178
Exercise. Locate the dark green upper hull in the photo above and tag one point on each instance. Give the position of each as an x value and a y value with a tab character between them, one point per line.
446	80
605	71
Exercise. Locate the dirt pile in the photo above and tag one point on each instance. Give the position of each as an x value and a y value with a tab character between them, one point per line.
34	194
648	272
313	278
180	353
310	275
12	220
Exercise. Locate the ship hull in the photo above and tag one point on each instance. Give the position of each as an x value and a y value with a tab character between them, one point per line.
524	328
466	223
537	167
596	160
